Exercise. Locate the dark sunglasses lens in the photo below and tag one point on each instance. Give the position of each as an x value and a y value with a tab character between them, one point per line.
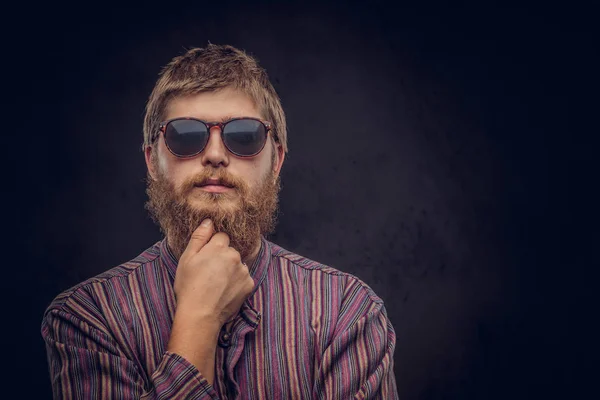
186	137
245	137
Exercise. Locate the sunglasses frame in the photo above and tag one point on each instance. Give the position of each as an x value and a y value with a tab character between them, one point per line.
162	127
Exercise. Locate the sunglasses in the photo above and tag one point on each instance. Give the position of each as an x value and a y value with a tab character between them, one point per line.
187	137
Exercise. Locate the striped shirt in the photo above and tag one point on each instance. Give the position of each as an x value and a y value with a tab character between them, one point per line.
307	331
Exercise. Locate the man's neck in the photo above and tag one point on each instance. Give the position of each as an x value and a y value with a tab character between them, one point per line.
252	257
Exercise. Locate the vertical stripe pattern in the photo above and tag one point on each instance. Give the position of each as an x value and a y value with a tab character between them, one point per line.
308	331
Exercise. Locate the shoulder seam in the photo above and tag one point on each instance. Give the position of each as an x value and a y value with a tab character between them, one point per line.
332	271
328	270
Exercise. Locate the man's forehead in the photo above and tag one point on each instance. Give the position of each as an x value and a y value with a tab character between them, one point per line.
213	106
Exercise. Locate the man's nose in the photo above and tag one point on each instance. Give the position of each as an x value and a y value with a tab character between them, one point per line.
215	152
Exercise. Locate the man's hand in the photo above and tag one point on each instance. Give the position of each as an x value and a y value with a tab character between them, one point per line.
211	280
211	284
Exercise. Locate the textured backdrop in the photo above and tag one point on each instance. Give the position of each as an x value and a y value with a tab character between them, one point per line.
431	152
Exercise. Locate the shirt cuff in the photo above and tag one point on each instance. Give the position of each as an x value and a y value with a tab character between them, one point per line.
177	378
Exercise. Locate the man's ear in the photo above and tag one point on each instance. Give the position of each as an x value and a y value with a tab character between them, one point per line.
278	158
148	156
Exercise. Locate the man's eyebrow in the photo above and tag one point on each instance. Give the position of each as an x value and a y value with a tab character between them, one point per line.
229	117
226	118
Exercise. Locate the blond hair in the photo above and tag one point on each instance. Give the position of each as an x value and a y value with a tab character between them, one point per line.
209	69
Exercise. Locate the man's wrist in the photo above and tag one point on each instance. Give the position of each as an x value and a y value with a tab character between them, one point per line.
195	338
199	316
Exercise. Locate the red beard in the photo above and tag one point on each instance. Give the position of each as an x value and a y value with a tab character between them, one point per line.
243	214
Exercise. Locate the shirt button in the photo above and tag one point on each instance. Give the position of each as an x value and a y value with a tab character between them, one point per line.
224	340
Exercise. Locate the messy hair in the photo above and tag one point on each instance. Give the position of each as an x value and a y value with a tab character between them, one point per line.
209	69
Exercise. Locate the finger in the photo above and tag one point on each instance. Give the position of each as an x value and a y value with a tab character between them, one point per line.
220	239
200	237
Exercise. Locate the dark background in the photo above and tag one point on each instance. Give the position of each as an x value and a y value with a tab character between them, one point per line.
441	154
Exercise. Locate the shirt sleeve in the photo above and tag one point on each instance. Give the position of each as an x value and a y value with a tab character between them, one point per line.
86	363
358	363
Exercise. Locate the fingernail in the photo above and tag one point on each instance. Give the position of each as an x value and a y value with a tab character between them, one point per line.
206	223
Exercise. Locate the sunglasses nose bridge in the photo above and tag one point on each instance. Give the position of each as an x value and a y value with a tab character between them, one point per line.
209	147
210	125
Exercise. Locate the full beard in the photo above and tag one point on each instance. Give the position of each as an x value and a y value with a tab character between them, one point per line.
244	214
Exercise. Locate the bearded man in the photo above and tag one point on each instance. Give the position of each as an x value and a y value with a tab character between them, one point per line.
215	310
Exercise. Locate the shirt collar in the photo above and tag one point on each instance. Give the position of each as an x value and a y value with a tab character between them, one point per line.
258	269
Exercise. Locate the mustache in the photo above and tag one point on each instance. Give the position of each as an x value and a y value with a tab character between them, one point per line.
219	174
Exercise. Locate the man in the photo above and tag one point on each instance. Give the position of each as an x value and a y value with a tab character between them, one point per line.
214	310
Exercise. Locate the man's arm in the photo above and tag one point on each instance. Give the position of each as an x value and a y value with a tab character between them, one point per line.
86	363
211	283
358	363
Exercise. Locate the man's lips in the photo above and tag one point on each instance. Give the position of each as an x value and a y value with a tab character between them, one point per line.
214	182
215	188
214	185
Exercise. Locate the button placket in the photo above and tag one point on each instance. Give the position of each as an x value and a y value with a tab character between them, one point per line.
247	322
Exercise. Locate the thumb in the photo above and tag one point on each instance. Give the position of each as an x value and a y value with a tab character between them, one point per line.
200	236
